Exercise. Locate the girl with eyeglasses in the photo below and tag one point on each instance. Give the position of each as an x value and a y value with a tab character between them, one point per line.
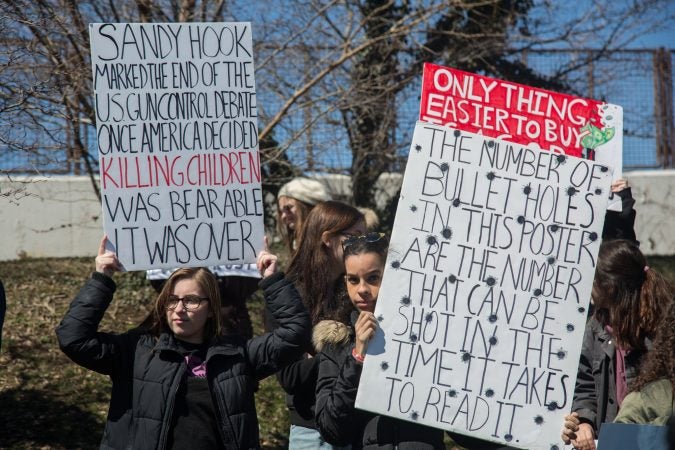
177	381
343	343
316	269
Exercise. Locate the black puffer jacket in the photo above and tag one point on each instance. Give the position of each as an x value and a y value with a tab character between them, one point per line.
595	391
337	419
146	371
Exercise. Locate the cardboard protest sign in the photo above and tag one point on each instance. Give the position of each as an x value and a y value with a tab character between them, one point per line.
176	123
223	270
529	116
486	288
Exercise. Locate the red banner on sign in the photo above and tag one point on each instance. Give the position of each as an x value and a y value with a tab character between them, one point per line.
515	112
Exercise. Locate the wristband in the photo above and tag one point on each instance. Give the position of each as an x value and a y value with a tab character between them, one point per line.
357	357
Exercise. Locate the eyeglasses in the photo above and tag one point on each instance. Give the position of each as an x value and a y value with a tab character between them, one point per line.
190	302
368	237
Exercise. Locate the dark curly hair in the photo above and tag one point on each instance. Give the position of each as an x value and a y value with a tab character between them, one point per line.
660	361
628	295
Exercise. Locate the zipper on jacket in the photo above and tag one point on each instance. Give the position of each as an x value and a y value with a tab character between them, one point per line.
219	408
166	424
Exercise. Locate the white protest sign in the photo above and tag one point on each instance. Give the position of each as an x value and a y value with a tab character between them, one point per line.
533	117
229	270
486	288
177	136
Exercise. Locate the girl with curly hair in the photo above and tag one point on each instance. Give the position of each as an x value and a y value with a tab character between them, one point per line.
651	399
630	300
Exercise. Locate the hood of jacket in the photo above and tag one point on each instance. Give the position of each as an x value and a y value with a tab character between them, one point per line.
330	332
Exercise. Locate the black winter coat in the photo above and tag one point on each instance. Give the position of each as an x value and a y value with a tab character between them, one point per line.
298	380
337	419
146	371
595	391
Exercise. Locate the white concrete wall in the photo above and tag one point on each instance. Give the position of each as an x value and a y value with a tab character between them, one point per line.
45	217
654	193
60	216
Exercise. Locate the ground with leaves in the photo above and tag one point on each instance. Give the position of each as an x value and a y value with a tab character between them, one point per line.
48	402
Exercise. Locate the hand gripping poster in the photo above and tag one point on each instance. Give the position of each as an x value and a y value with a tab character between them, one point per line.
486	288
535	118
177	139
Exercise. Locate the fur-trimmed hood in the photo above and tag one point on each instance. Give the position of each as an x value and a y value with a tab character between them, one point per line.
330	332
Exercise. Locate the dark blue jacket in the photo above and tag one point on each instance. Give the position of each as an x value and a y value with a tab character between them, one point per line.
146	371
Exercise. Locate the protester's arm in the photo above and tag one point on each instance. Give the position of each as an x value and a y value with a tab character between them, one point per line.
634	409
653	404
338	380
287	341
585	398
336	389
298	374
578	427
78	334
621	224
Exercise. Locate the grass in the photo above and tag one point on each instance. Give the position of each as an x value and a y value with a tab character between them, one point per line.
48	402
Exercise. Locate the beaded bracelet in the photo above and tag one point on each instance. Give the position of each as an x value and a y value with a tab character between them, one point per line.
357	357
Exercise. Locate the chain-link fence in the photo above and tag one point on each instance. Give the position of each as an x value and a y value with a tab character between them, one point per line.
640	81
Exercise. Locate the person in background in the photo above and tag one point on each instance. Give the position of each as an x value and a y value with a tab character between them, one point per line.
295	200
316	268
651	400
371	218
235	284
621	224
630	300
342	344
177	381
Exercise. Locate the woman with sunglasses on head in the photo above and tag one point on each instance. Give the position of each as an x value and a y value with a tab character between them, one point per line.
316	269
342	344
177	382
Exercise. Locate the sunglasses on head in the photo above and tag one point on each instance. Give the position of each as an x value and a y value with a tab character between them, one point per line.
368	237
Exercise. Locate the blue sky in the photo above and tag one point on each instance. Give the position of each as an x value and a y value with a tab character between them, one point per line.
661	38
